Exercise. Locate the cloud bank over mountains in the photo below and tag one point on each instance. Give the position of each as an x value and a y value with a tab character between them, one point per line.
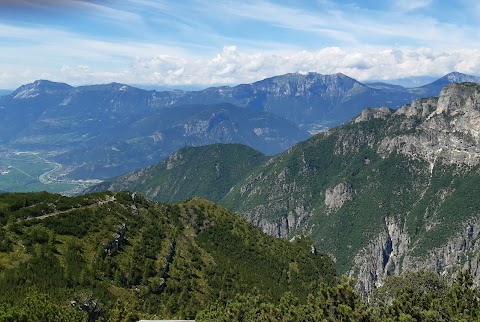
233	66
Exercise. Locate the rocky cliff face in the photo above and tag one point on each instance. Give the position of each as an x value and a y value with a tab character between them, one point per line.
373	113
392	252
381	194
443	132
337	196
449	129
381	257
461	251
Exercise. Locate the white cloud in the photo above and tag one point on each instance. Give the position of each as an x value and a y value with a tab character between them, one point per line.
232	66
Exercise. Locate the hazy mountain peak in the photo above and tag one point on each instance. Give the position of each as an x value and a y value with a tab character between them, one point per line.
457	77
305	81
119	86
39	87
453	77
109	87
341	75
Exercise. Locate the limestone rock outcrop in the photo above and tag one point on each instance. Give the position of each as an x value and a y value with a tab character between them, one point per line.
337	196
373	113
448	129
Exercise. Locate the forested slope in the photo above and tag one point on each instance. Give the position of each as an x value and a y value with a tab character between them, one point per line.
118	256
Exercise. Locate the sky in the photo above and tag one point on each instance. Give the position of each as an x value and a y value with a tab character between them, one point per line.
202	43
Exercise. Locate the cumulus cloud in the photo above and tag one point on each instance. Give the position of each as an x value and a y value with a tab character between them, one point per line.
232	66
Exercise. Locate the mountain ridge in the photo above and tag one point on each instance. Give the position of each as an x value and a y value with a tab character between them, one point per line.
380	192
118	256
220	165
264	95
100	131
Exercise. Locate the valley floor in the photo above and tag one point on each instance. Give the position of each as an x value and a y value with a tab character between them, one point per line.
23	171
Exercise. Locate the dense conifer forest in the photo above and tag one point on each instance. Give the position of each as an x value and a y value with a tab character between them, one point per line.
121	257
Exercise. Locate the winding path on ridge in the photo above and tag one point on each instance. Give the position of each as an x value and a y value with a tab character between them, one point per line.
59	212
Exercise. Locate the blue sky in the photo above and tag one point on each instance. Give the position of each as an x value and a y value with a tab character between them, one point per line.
206	42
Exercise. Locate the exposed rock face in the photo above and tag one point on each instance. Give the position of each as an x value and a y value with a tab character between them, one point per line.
391	253
456	100
449	131
461	252
373	113
381	257
288	224
419	108
337	196
117	242
174	160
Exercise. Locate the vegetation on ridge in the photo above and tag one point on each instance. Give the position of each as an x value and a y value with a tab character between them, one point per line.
208	172
120	257
412	297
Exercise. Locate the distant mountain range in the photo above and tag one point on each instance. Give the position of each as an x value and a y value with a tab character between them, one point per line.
5	92
387	192
409	82
106	130
101	131
312	101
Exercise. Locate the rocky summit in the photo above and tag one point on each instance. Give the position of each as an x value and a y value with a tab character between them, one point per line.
387	192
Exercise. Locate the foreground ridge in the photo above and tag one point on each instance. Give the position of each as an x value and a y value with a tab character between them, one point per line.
119	256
